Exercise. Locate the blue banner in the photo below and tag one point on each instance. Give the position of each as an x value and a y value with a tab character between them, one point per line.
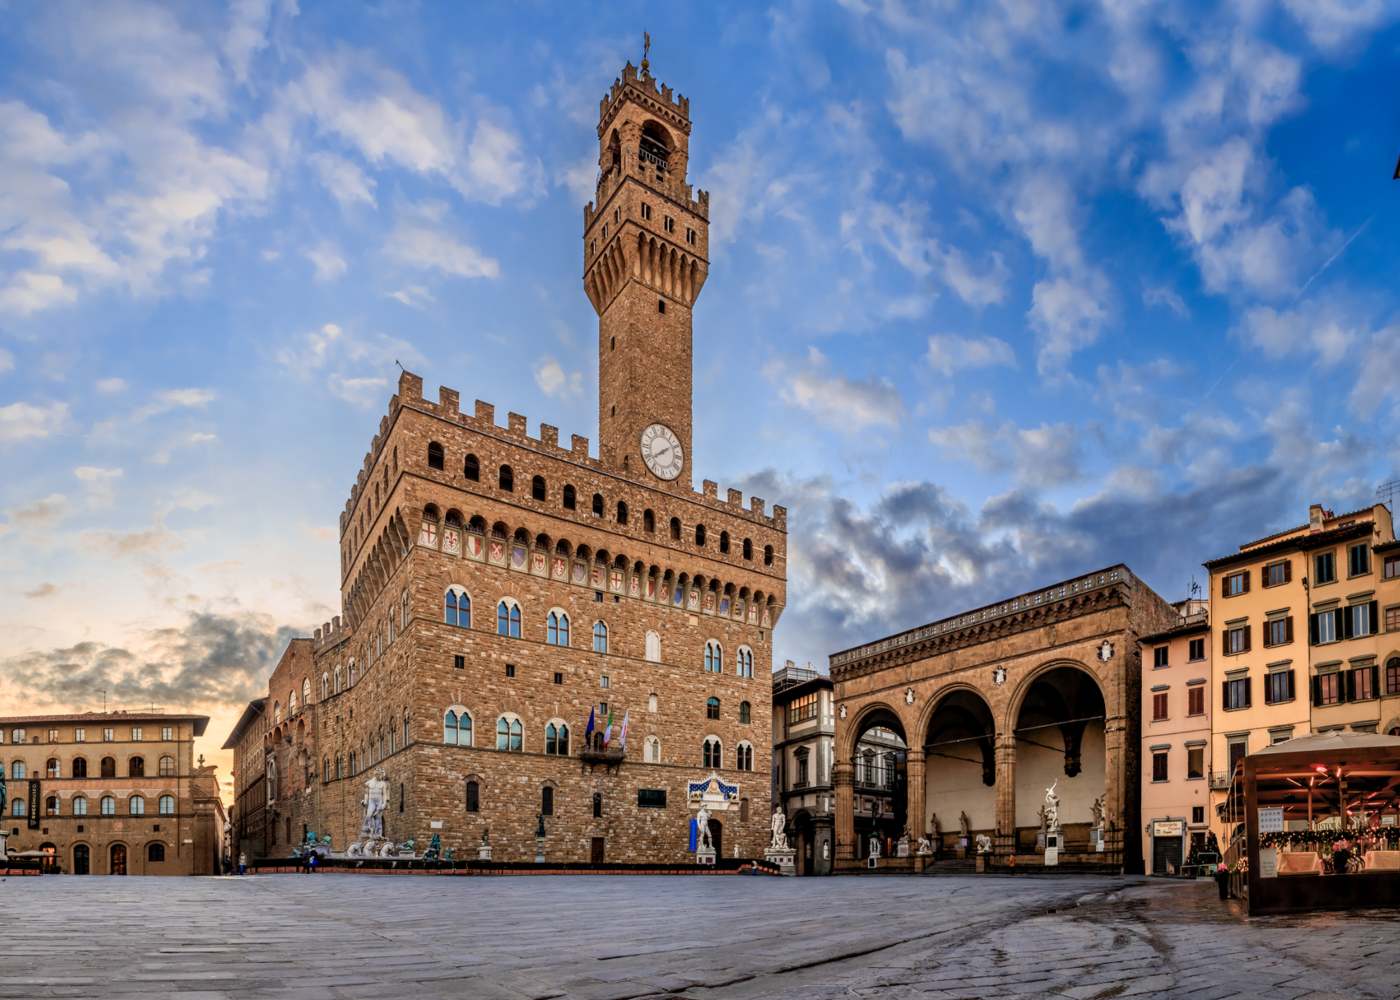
694	835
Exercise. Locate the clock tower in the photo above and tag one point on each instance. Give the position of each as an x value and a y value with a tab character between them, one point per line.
645	259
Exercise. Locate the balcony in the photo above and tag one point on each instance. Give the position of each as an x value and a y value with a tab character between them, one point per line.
610	758
1220	780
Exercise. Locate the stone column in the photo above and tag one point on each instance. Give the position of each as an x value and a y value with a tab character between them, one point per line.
1114	783
914	807
841	777
1005	842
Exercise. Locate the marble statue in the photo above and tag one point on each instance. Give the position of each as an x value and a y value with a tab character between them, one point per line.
963	825
779	825
1097	809
924	848
702	831
984	844
934	828
375	801
486	836
1052	808
874	846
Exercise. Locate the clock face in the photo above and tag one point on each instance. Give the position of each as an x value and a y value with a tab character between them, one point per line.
662	452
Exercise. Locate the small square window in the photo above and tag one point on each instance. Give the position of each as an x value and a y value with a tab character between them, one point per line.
558	677
604	682
1197	650
1160	656
459	662
510	669
661	305
597	597
1198	814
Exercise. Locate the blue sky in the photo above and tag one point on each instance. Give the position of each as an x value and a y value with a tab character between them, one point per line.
999	293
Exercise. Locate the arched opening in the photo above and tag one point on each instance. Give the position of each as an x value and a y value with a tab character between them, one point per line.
960	773
621	512
118	860
879	783
435	455
155	853
82	859
1059	743
537	489
471	468
507	479
570	499
675	529
648	521
655	145
597	505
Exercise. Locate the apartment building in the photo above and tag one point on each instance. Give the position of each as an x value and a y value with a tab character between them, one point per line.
804	733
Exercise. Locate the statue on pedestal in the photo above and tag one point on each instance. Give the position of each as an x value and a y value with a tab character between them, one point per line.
984	844
1052	808
779	825
374	802
923	848
1097	809
702	831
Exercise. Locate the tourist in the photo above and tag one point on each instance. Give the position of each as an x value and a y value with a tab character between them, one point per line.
242	863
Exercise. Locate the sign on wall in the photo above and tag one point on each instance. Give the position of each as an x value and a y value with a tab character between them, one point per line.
33	803
1271	820
1168	828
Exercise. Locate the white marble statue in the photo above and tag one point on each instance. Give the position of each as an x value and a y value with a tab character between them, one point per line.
874	846
984	844
924	848
374	802
964	824
1052	808
779	825
1097	809
702	831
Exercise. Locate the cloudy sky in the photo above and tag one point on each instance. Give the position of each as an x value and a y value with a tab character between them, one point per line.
999	293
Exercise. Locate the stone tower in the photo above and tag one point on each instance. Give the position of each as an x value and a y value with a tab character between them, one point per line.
645	255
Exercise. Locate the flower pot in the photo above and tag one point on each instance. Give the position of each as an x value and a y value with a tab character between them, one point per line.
1222	882
1340	859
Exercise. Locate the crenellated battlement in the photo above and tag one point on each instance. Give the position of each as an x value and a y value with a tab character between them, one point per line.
332	634
516	431
696	201
646	90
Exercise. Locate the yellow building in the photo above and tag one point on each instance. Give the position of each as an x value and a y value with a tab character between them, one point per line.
1295	623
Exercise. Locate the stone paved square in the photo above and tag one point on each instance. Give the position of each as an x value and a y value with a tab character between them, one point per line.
285	936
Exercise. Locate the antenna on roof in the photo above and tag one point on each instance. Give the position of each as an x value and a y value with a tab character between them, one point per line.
104	701
1386	493
1194	590
401	367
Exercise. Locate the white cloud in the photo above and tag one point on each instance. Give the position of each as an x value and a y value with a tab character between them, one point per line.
99	483
1043	456
1068	315
1045	209
111	385
34	520
413	296
247	34
326	259
353	366
30	292
7	361
553	380
1317	327
1376	383
950	354
846	404
1167	298
363	391
30	422
175	399
422	244
346	182
977	287
1335	24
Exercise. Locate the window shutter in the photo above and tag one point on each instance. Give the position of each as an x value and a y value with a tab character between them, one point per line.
1312	630
1345	630
1246	581
1349	687
1291	693
1248	630
1225	642
1375	680
1225	585
1288	629
1224	694
1375	620
1248	683
1287	570
1317	690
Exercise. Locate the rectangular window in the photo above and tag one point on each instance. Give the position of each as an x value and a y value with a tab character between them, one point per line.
1278	573
1392	675
558	677
510	669
1324	567
1324	627
1196	700
1198	814
1392	567
1327	689
1278	631
803	708
1238	748
1392	619
1360	620
136	734
1359	559
107	736
604	681
646	211
1159	765
1361	684
1159	706
1237	640
80	736
690	235
167	733
669	224
651	798
1195	762
459	662
1159	656
1197	650
1235	584
53	735
1236	693
1278	687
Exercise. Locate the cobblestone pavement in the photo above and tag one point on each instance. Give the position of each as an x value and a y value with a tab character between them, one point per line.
285	936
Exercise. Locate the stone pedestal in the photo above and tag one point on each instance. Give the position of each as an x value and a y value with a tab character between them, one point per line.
483	853
539	850
784	857
705	856
1052	848
3	855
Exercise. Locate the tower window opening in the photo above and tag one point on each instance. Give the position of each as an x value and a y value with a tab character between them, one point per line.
646	211
669	224
690	235
612	343
661	305
617	215
655	145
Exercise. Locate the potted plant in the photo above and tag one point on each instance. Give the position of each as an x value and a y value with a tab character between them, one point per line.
1341	855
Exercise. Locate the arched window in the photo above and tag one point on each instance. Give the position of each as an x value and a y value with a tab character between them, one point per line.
350	673
306	691
570	498
405	727
652	703
652	750
471	468
457	727
507	479
473	795
653	647
136	806
18	771
325	686
403	611
597	505
108	805
743	756
51	805
292	700
712	707
165	805
649	521
167	766
51	768
714	657
18	807
339	679
80	805
712	754
675	529
510	734
508	618
600	637
556	739
700	535
744	662
621	512
547	800
434	455
79	767
748	548
597	805
537	489
457	607
745	712
155	853
557	629
724	542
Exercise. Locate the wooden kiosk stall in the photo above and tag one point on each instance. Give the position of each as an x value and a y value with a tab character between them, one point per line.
1321	820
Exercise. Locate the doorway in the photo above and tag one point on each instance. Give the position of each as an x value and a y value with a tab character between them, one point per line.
596	856
118	859
1166	851
82	864
717	837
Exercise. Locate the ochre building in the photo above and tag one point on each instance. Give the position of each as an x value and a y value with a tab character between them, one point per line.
994	706
500	586
112	793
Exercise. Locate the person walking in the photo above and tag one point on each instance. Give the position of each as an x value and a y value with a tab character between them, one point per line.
242	863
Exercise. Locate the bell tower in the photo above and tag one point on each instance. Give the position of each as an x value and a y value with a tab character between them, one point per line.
645	258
